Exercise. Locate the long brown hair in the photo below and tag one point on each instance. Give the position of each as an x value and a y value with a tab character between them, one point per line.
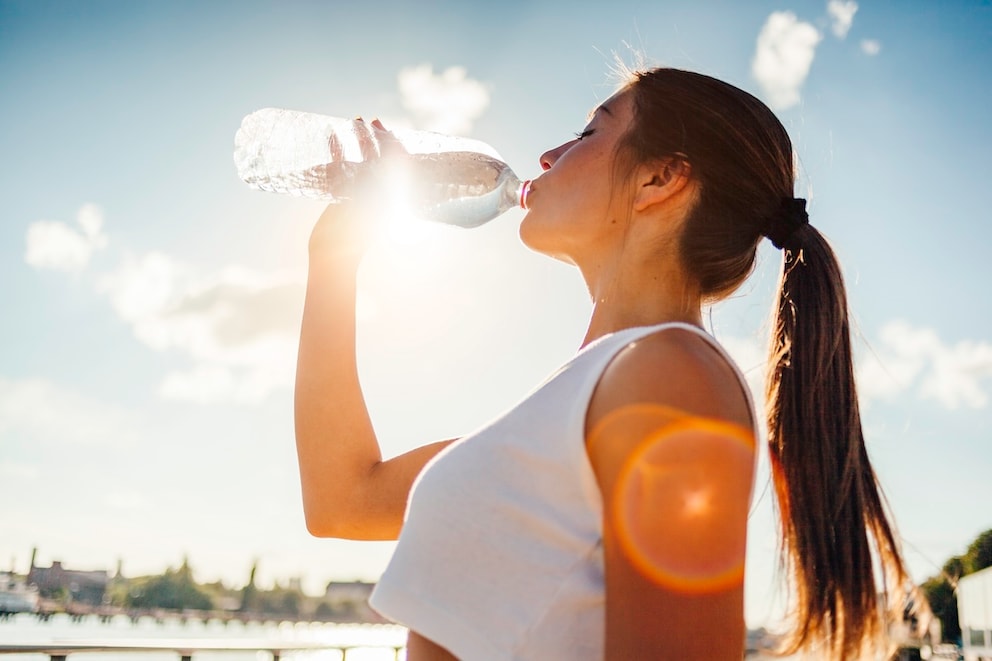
833	521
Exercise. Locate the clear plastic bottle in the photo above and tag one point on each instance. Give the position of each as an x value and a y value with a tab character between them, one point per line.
449	179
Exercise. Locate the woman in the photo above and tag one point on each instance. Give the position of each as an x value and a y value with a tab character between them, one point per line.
544	535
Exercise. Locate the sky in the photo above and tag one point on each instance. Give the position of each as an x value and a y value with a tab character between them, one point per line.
151	301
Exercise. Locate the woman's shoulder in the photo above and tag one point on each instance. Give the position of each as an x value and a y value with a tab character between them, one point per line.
677	367
669	379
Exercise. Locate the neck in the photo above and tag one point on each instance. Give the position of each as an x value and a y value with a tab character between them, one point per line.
632	297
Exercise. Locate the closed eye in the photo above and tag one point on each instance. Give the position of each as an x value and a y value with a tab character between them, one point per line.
584	134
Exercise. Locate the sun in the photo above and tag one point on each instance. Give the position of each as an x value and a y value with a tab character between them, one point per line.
399	227
410	258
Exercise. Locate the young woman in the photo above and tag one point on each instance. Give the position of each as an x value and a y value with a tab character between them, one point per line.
605	516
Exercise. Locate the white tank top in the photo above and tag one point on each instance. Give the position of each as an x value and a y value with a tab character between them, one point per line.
501	553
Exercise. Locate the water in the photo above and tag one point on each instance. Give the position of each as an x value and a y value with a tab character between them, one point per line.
449	179
26	628
464	188
458	188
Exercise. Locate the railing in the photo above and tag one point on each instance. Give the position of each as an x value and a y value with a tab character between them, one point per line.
79	611
185	647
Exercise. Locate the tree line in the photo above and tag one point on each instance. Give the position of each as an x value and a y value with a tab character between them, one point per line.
177	590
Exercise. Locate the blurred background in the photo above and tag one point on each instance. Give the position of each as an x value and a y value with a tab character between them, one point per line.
151	301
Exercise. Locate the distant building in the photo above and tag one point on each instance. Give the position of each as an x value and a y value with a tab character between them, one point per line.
975	614
356	592
89	587
349	602
16	596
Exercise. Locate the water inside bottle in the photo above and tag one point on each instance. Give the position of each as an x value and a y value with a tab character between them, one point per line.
459	188
462	188
436	178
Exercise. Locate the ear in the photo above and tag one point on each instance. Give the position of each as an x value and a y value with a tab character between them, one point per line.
660	181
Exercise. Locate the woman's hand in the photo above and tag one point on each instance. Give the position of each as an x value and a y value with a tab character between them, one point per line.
347	227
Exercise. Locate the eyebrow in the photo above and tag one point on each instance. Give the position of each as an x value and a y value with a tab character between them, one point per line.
603	107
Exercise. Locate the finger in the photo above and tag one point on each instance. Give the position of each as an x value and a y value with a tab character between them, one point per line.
389	144
367	142
335	147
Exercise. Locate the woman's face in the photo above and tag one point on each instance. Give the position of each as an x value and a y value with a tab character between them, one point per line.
573	211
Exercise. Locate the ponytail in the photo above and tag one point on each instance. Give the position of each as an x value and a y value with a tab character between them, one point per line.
833	518
834	526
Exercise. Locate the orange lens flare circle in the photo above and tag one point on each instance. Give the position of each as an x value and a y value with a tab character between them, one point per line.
680	505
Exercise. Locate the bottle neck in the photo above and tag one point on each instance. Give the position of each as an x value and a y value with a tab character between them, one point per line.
523	189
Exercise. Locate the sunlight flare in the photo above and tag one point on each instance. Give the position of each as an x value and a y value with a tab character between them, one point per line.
681	502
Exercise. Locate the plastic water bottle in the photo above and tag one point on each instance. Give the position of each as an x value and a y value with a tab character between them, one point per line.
449	179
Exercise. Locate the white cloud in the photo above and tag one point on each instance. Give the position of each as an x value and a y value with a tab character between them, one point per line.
56	245
916	360
841	16
447	102
906	360
785	51
870	47
13	470
204	384
238	327
36	411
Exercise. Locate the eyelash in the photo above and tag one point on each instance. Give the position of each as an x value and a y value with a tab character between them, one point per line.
584	134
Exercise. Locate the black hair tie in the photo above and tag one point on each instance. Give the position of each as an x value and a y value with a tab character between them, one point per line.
790	217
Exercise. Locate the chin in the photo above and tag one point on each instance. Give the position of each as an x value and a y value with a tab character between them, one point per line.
533	235
543	241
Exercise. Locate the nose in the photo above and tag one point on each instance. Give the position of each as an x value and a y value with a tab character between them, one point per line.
551	156
548	159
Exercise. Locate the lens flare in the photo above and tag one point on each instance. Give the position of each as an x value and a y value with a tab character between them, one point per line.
680	504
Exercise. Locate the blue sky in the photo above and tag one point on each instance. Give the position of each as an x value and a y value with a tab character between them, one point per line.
151	301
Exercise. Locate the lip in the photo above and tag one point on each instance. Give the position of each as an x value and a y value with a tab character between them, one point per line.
529	194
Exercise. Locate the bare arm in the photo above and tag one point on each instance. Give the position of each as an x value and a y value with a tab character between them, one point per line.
668	435
348	490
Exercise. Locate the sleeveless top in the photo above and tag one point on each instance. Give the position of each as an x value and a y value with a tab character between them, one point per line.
501	553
